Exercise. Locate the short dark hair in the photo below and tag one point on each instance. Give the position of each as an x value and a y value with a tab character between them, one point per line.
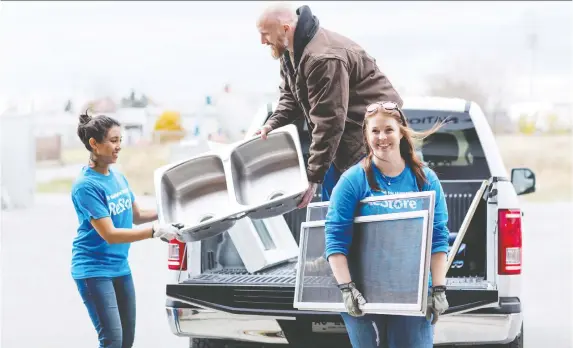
94	127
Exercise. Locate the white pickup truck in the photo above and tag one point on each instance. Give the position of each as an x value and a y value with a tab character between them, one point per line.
215	301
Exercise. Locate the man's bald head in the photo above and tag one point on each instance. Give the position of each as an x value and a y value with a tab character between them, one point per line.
280	14
277	24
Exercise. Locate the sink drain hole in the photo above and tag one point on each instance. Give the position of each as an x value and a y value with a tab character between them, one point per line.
275	195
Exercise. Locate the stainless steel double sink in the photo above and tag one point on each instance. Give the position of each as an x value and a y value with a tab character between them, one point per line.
252	178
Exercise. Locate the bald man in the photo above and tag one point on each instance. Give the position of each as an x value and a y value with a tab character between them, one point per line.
329	80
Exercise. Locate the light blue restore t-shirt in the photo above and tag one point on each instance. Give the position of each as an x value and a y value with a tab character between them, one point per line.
96	196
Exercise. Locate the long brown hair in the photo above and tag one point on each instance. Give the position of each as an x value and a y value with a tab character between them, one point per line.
407	145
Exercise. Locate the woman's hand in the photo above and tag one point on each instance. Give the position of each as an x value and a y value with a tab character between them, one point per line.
166	232
352	299
350	295
437	303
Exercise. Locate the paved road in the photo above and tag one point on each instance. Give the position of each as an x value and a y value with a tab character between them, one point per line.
41	307
548	273
40	304
47	174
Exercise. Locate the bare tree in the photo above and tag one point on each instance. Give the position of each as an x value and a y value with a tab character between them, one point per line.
478	80
442	85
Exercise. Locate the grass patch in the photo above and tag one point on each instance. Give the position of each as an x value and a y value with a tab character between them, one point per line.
137	163
549	156
138	166
63	185
80	154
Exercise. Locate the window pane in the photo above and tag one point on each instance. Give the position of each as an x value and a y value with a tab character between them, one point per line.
385	262
455	151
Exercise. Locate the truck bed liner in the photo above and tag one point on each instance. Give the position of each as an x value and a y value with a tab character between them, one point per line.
271	292
284	274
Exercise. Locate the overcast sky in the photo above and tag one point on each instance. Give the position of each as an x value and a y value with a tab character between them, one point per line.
181	50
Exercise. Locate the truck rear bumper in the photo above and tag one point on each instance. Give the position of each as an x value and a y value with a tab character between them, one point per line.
206	323
452	329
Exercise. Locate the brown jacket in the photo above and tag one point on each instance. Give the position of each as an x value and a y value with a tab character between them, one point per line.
331	84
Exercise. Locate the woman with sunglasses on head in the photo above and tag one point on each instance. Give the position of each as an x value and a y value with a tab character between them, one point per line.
391	166
106	210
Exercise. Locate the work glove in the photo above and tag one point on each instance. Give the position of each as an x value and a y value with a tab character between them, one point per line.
437	303
352	299
166	232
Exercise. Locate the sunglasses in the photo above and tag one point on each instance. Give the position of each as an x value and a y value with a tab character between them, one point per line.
388	106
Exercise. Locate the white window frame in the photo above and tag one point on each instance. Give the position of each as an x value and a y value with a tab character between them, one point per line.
418	309
431	195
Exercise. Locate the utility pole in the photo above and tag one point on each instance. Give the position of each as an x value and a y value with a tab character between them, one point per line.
532	46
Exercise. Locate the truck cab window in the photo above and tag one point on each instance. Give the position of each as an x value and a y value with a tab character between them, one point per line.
454	152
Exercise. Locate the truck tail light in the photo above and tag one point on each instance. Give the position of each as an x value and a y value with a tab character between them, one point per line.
177	258
509	243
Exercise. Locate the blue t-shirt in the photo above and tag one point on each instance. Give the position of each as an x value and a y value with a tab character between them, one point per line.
353	187
96	196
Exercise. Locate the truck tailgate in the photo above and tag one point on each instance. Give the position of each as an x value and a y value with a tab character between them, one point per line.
271	292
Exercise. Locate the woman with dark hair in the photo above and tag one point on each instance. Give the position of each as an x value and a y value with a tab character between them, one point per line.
106	210
390	167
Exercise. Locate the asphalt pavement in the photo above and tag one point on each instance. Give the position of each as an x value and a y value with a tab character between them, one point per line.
41	307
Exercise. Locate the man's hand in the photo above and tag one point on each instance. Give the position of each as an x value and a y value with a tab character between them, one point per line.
308	194
263	131
437	303
352	299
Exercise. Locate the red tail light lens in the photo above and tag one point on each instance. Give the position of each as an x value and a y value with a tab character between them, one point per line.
509	243
177	256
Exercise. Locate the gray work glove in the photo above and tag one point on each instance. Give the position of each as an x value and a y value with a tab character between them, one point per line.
352	299
437	303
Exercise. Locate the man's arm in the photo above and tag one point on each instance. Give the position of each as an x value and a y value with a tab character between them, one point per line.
328	92
287	109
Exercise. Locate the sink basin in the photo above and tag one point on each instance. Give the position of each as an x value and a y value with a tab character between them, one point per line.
268	176
195	192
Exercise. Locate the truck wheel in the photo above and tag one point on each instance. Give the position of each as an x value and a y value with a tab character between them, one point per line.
517	342
205	343
209	343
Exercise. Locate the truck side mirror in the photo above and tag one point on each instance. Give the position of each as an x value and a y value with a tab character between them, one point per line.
523	180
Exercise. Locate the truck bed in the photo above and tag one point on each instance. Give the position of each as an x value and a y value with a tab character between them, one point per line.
224	283
271	292
283	275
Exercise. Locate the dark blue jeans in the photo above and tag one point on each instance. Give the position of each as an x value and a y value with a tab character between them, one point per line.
111	305
389	331
330	179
